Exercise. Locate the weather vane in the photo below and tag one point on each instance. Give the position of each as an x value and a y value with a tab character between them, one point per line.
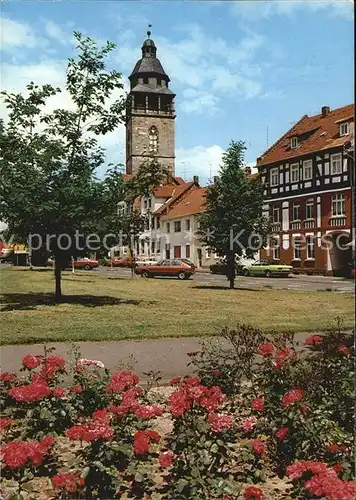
149	31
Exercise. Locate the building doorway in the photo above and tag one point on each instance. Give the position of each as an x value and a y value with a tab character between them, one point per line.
200	257
339	253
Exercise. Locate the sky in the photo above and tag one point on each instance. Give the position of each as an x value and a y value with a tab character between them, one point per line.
243	70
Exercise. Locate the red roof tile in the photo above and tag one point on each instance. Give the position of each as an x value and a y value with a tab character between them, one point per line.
176	194
314	133
192	203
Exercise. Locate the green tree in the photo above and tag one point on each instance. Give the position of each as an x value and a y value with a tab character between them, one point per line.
233	211
124	217
49	159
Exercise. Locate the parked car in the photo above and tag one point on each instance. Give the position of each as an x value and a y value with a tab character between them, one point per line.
81	263
169	267
221	266
119	262
267	268
146	262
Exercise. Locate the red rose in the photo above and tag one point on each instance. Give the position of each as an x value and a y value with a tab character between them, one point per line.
58	392
249	423
265	349
31	362
314	339
4	423
15	454
166	459
281	433
29	393
191	381
292	396
7	378
175	381
148	411
141	444
219	422
122	380
344	350
253	493
66	481
258	404
77	389
258	446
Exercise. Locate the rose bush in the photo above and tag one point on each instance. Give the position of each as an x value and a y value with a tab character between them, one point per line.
290	413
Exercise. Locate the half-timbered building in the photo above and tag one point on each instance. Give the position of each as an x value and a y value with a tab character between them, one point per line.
307	176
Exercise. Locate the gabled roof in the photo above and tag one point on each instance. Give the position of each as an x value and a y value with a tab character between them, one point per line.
314	133
177	192
192	203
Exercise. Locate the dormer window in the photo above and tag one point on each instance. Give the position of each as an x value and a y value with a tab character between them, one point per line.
294	142
344	128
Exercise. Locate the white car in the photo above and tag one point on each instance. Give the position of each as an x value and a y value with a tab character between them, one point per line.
146	262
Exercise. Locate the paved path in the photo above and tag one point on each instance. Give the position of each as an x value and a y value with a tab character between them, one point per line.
169	356
294	282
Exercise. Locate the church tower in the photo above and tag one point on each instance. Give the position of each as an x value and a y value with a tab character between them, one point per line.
150	116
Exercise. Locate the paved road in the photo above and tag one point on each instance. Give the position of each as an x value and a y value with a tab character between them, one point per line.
300	282
169	356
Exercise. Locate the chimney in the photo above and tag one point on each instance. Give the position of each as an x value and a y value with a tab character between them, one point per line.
247	170
196	179
325	110
215	179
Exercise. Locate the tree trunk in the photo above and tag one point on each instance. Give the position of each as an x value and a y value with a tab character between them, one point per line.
58	276
231	270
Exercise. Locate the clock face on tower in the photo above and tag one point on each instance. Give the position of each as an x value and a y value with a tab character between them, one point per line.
153	140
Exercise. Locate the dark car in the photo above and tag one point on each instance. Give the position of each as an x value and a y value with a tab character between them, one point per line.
221	268
169	267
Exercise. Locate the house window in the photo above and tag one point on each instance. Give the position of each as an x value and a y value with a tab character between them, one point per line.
145	203
307	170
168	227
158	249
338	205
276	214
310	247
344	129
296	249
158	223
208	253
336	166
309	209
276	249
296	211
177	226
274	177
187	224
153	246
294	142
187	251
142	246
294	172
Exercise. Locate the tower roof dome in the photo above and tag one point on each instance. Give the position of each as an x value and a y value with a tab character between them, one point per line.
149	63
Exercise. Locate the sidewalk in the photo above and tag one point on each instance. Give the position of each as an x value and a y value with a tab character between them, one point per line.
169	356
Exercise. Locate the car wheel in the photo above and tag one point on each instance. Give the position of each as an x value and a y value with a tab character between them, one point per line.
182	276
268	274
87	268
145	274
246	272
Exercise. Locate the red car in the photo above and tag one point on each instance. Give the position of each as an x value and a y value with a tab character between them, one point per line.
85	263
119	262
81	263
181	268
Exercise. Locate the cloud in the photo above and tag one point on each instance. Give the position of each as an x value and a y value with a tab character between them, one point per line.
255	11
15	77
203	66
15	34
203	161
55	32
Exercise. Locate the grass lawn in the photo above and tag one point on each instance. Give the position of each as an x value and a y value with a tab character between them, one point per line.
106	308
